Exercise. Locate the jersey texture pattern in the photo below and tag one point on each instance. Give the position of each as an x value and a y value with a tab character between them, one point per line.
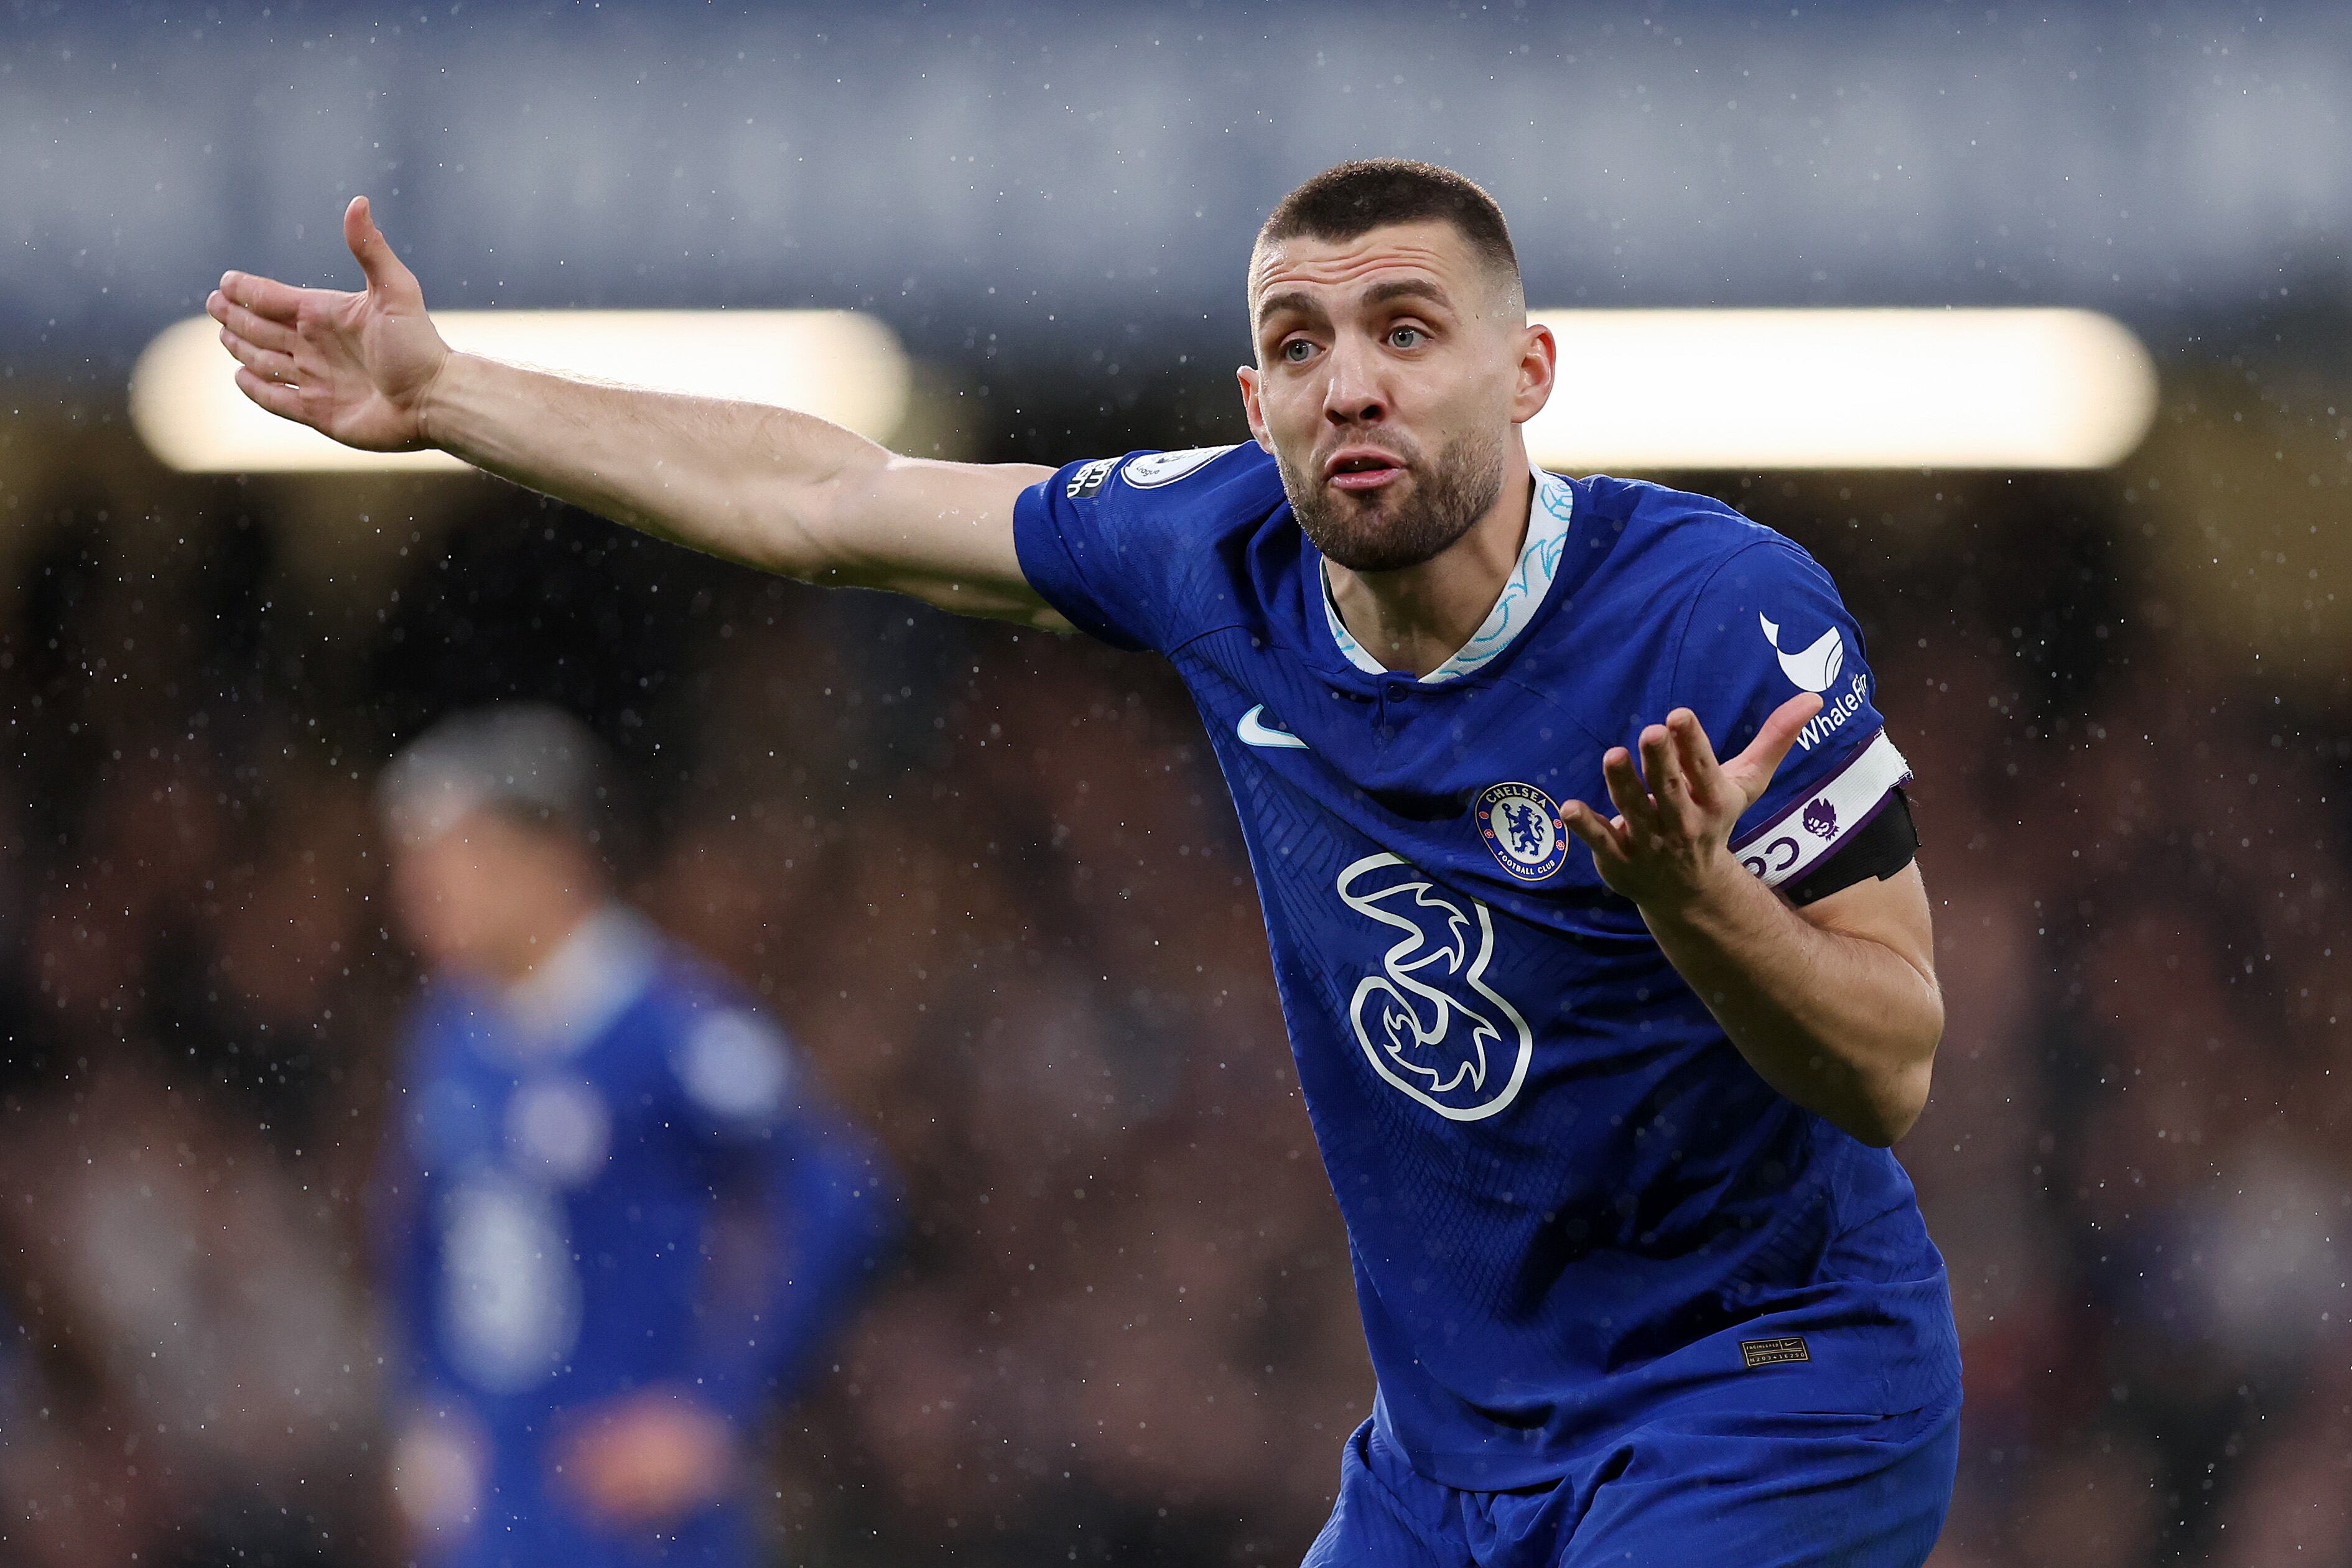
1570	1200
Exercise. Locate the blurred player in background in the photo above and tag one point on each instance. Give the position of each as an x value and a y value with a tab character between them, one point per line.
623	1219
1641	1282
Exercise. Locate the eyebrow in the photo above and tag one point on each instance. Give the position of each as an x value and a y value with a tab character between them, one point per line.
1293	300
1407	288
1378	294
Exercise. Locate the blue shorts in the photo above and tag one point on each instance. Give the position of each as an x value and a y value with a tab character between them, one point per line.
1763	1489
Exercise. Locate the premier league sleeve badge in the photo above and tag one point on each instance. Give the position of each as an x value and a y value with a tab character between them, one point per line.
1522	829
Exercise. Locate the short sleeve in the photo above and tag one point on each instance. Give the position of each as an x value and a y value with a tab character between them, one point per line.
737	1073
1768	624
1115	544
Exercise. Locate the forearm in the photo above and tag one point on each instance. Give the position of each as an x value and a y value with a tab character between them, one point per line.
830	1205
767	486
735	479
1844	1025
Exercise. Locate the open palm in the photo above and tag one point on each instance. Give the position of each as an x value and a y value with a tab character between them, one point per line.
356	367
1677	806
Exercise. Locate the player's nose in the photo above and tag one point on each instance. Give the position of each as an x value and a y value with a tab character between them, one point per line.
1352	394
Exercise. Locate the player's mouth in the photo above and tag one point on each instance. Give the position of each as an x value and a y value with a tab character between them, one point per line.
1361	468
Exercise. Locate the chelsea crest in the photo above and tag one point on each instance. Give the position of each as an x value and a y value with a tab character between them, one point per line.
1521	827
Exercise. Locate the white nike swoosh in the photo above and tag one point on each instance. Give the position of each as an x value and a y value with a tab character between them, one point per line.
1253	732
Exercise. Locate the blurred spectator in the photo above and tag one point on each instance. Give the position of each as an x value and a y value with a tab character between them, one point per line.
624	1217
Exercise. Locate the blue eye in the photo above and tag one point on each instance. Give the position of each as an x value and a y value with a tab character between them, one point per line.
1297	349
1404	336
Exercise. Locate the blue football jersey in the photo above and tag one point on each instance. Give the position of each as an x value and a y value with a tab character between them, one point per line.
566	1166
1570	1200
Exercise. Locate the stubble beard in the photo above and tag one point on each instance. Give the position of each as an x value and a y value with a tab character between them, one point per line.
1442	501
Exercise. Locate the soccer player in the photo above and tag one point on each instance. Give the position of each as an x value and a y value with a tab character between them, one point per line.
623	1220
1607	1124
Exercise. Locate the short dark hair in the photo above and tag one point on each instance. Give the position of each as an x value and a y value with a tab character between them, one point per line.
534	765
1356	197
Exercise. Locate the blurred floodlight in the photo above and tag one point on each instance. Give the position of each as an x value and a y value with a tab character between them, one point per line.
1843	389
834	364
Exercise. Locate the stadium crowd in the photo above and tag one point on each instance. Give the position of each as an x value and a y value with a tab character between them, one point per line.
990	882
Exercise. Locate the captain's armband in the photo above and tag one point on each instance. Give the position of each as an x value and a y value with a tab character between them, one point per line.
1878	849
1811	849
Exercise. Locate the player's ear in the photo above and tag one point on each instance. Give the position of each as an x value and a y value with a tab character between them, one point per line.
1247	375
1539	372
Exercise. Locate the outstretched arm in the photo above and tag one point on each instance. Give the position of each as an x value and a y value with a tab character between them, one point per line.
1834	1004
767	486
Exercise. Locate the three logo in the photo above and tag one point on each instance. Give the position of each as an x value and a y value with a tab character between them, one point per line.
1428	1021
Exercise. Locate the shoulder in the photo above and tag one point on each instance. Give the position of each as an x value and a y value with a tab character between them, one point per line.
1675	537
1659	602
687	991
730	1059
1694	561
1639	558
1142	550
1216	469
1200	491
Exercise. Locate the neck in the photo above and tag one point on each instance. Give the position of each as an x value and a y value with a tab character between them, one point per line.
1417	617
518	959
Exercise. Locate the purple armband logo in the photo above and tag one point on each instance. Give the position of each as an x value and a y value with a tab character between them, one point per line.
1820	818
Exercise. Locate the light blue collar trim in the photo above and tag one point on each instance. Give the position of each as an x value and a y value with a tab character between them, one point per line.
578	991
1547	520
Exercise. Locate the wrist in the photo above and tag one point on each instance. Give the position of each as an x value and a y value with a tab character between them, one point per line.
434	401
1715	884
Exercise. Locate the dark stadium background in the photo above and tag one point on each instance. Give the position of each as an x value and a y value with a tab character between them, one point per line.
991	879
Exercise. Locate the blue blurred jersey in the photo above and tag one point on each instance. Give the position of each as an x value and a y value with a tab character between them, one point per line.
613	1178
1571	1203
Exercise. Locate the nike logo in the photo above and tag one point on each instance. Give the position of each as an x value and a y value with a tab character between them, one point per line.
1254	731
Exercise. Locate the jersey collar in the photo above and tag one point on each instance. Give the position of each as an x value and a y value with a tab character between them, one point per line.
1549	516
578	991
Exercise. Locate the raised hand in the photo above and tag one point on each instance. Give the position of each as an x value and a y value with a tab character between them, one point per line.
357	367
1672	833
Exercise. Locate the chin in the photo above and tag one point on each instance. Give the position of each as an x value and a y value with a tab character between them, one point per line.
1405	523
1378	555
1383	532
